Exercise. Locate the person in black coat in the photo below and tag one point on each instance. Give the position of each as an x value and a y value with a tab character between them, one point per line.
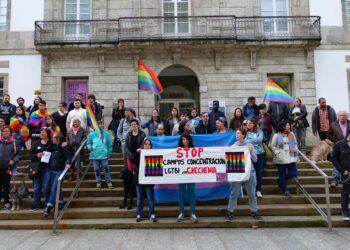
60	159
60	117
216	114
204	127
96	107
117	116
341	161
7	109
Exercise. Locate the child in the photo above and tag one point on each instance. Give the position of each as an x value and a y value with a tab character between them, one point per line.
101	150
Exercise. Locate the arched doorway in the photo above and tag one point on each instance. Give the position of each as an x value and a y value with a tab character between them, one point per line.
181	90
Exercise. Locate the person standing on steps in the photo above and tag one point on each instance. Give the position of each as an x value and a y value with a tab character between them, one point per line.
186	141
322	118
341	161
249	185
100	150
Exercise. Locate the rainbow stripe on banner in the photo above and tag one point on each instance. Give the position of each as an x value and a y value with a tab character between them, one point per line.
235	162
90	117
147	80
154	165
274	93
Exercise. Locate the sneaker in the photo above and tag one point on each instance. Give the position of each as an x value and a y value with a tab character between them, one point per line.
258	194
194	218
346	218
181	217
34	208
287	194
256	215
47	210
153	218
98	186
7	206
16	173
138	218
229	216
60	206
110	186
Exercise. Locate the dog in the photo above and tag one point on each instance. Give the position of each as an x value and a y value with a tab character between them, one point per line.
16	195
129	188
321	150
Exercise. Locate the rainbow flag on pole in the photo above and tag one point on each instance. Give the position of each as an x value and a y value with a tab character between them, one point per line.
147	80
90	118
274	93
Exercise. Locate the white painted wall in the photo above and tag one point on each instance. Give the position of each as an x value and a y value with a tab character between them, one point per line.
331	77
24	76
329	10
24	13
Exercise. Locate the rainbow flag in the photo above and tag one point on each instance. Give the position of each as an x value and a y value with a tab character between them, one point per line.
274	93
16	124
147	80
90	118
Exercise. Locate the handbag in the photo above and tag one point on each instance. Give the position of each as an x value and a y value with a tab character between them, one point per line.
34	170
131	166
268	153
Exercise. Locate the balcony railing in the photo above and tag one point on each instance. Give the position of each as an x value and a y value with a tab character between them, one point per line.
128	29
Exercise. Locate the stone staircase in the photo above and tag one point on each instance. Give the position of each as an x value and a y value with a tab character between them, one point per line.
100	208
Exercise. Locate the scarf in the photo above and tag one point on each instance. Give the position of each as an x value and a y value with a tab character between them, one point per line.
37	118
16	123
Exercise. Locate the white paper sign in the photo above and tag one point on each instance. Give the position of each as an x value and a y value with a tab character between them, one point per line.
194	165
46	157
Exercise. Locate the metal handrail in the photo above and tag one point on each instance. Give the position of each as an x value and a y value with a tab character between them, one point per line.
59	214
328	215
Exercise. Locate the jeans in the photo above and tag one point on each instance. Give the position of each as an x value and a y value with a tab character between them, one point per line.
250	186
42	184
116	141
104	164
54	175
141	189
5	180
259	167
300	134
191	195
335	175
292	170
322	135
125	158
344	199
267	138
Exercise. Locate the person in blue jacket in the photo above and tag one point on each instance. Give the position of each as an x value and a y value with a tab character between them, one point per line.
101	150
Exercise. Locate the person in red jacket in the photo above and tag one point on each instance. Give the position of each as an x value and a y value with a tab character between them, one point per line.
266	123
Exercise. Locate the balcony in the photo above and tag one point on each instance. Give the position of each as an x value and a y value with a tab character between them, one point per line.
144	29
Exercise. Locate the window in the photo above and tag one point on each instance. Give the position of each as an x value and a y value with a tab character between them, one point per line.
277	8
3	15
347	10
177	12
2	84
77	10
284	81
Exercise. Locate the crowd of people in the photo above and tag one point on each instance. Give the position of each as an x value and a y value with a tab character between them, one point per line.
280	128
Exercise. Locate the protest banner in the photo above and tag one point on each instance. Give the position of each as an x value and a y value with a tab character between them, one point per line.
194	165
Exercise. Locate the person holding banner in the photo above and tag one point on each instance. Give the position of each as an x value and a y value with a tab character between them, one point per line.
186	141
141	189
249	185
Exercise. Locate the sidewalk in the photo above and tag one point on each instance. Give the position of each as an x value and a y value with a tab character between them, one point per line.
211	239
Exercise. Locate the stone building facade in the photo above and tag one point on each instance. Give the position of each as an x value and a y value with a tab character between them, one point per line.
225	51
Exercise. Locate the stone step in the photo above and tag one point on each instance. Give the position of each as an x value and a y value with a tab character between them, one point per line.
172	211
206	222
118	201
90	182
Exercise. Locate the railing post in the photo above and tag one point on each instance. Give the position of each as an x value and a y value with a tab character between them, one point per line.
328	203
55	218
78	165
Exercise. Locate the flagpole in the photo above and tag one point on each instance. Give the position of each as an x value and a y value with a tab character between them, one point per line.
138	102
